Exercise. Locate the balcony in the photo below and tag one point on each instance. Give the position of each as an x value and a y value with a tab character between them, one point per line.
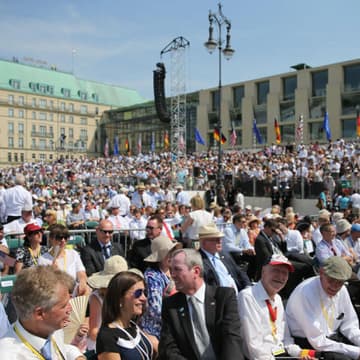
48	135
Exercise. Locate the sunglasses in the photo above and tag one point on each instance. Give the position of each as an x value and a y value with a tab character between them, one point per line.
110	232
137	293
61	237
150	228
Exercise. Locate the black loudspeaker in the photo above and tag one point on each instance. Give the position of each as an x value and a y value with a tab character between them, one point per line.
159	93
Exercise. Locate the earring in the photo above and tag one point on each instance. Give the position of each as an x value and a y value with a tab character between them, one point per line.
121	305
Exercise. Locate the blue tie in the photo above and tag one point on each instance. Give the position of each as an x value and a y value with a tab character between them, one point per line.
107	251
46	350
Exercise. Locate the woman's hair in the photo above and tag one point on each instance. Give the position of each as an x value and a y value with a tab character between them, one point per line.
118	286
56	230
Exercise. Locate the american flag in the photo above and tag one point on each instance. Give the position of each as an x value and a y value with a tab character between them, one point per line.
139	144
181	142
233	137
299	135
106	148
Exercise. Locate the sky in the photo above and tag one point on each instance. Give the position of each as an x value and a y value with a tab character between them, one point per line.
119	42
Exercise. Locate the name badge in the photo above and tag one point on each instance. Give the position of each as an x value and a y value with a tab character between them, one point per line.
278	349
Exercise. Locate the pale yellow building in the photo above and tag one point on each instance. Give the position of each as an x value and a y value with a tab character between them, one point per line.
47	114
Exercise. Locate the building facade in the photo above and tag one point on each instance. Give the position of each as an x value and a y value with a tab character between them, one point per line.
47	114
307	92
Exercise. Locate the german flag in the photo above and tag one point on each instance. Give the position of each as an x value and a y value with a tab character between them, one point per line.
216	134
127	144
223	139
358	123
277	131
166	140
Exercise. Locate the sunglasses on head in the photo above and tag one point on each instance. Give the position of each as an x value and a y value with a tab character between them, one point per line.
107	231
137	293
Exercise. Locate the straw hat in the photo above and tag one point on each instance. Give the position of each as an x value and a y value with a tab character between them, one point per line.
210	231
113	265
160	247
253	218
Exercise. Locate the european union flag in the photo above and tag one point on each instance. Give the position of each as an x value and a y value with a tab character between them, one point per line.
257	133
198	138
326	126
116	146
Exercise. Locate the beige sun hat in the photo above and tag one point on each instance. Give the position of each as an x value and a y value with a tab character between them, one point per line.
210	231
112	266
160	247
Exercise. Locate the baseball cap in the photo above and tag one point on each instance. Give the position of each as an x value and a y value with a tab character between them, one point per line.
279	259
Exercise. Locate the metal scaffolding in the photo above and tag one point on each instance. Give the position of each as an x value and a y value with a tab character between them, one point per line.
177	50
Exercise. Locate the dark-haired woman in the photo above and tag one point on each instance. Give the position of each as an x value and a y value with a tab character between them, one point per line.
119	336
28	255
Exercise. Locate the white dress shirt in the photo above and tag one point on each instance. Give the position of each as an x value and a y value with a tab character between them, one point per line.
294	242
15	199
256	328
306	309
11	347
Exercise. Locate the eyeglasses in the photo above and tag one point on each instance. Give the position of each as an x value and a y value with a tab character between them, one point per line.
61	237
110	232
151	227
137	293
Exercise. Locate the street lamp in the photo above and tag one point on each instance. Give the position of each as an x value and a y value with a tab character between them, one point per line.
220	19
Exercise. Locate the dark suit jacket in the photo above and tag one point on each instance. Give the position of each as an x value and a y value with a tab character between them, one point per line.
211	277
222	321
139	251
93	258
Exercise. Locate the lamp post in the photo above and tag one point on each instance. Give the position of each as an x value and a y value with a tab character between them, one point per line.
220	20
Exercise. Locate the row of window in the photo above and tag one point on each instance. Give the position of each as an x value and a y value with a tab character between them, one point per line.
46	116
49	90
42	144
44	103
289	85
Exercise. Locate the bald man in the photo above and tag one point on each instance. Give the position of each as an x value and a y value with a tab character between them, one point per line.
94	254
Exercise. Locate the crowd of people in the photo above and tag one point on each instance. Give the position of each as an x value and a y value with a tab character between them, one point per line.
203	276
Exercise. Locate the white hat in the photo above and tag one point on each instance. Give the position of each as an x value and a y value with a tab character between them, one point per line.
210	231
160	247
112	266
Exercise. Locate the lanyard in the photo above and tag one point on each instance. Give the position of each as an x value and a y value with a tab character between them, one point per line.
27	344
329	318
273	317
34	258
33	350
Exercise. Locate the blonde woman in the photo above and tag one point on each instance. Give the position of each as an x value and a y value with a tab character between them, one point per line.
197	218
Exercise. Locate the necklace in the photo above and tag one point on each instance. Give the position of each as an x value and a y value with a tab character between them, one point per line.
137	342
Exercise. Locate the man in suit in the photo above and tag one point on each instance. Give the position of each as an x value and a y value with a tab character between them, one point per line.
142	248
93	255
200	321
269	242
220	268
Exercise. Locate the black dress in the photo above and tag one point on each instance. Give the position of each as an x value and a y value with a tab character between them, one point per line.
130	343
